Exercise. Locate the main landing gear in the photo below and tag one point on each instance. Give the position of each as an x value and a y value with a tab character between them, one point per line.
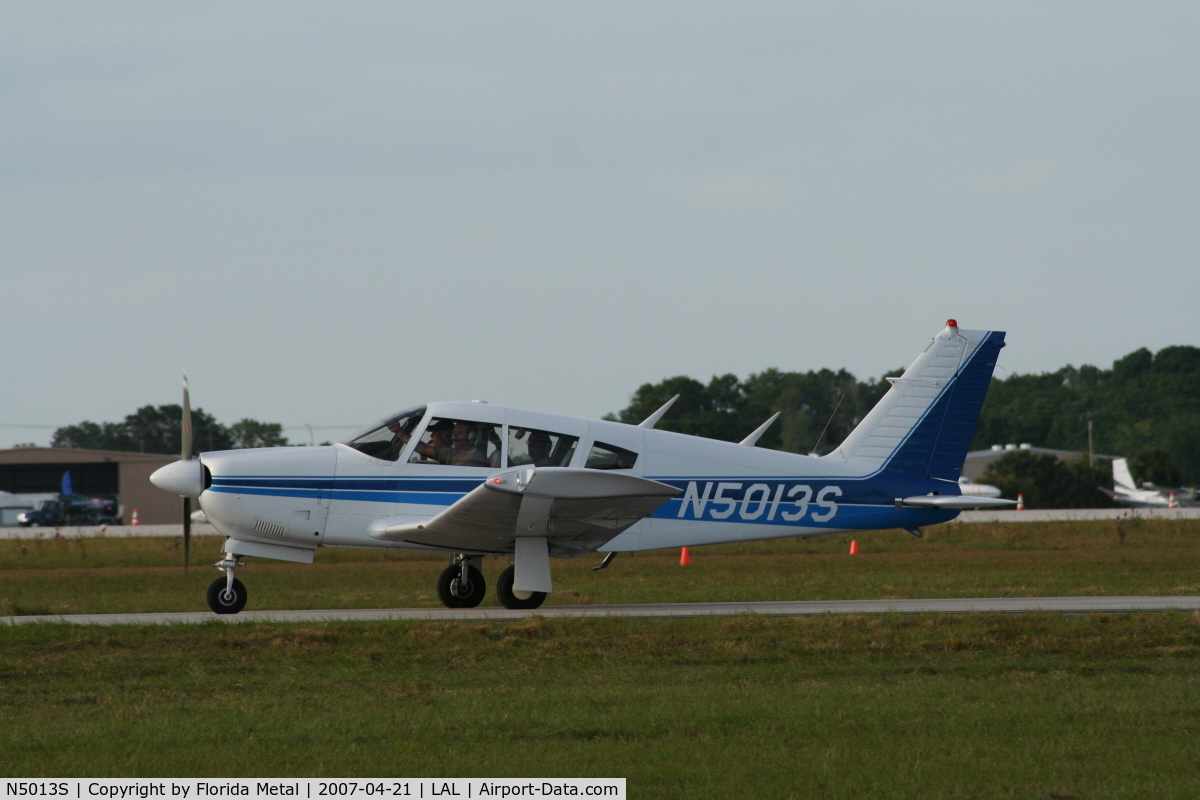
461	585
513	598
227	595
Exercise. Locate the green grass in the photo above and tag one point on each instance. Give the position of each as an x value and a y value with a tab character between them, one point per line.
1141	557
980	706
928	706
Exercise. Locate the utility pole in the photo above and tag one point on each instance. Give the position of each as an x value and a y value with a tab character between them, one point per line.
1089	416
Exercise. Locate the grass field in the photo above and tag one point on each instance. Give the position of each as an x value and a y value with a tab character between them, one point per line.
1030	705
1140	557
891	706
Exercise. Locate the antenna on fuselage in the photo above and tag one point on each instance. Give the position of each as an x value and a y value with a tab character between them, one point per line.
841	397
750	440
652	420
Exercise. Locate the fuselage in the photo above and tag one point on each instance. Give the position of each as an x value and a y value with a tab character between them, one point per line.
328	496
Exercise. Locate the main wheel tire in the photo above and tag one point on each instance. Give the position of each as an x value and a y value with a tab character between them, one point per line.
454	595
508	597
224	602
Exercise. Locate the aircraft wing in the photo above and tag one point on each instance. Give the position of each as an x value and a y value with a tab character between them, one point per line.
576	510
1181	492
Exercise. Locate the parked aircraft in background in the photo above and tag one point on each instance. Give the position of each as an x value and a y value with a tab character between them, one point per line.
972	489
471	479
1126	492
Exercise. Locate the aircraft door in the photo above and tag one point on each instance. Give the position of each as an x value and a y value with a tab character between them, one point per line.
317	512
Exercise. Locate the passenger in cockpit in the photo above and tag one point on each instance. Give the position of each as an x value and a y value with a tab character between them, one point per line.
539	445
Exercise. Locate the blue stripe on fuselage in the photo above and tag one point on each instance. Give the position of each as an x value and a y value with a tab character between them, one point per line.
394	484
811	502
808	502
415	498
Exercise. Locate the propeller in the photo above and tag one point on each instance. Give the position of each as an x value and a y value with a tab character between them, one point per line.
186	455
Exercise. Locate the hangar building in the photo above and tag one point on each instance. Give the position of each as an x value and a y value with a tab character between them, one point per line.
33	470
979	460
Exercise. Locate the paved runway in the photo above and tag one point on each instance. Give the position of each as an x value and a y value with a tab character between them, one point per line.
1002	605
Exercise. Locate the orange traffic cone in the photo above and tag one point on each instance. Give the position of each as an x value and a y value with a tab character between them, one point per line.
1020	502
134	521
685	557
1171	501
854	547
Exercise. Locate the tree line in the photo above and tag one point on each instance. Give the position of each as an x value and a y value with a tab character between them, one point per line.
818	409
158	429
1145	407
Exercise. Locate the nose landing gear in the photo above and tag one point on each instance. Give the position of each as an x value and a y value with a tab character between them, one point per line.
227	595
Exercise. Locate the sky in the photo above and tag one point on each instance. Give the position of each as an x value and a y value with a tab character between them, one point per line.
326	212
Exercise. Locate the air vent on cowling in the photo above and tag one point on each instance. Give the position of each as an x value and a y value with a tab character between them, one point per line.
269	528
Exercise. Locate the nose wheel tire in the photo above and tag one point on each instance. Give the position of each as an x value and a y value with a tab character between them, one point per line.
508	596
226	601
454	594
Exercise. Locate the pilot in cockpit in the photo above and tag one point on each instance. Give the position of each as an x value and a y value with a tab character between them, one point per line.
462	451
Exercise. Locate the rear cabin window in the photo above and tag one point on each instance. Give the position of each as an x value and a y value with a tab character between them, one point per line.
540	448
609	456
386	438
458	443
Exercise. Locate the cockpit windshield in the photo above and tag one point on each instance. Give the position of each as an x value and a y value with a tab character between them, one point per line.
386	438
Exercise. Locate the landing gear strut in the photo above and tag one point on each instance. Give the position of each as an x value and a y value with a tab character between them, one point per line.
511	598
461	584
227	595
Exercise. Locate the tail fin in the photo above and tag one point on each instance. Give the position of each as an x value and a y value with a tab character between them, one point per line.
1121	475
923	426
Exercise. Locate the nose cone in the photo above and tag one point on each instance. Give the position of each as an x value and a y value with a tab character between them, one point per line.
184	478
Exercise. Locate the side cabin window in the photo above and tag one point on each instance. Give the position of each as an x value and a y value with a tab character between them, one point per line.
609	456
540	448
458	443
386	438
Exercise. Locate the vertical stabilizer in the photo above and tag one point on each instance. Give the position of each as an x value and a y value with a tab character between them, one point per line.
1122	477
924	424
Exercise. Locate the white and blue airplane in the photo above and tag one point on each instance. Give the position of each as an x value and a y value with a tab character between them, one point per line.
471	479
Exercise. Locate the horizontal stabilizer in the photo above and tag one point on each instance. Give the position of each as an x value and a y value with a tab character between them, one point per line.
952	501
575	509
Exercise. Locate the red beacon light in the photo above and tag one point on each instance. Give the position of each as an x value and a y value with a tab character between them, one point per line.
497	481
951	323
